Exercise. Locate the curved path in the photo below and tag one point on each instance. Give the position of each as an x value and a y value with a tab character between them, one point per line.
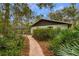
35	49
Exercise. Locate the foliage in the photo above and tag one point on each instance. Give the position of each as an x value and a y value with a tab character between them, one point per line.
0	25
45	34
11	44
69	48
68	14
70	11
66	43
56	16
50	5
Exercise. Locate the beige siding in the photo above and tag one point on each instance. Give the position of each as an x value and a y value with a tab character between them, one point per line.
54	26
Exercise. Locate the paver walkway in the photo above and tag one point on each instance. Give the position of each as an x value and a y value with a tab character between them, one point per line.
35	49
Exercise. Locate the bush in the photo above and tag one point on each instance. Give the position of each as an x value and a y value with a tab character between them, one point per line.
66	43
69	49
45	34
11	44
62	42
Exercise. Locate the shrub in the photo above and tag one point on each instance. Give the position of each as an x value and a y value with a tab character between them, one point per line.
11	44
66	43
45	34
69	48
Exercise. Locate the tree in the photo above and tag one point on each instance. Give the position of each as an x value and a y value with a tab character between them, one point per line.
49	6
56	15
38	17
5	19
46	5
66	14
22	14
70	11
0	22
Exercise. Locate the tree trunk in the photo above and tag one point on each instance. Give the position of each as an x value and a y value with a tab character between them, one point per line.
5	19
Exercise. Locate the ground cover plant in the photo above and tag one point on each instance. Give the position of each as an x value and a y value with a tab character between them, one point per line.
11	44
66	43
45	33
61	42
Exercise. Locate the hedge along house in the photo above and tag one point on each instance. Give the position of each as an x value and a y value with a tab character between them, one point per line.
43	23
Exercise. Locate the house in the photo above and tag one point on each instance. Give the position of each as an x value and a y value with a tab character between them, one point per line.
43	23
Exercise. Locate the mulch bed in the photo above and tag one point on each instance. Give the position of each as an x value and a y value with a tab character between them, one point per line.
45	47
25	50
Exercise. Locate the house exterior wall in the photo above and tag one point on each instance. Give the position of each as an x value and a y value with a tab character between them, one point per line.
62	26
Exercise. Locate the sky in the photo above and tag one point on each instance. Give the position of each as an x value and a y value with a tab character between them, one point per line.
45	11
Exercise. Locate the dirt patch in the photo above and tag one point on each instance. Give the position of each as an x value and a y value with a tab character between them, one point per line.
25	50
44	45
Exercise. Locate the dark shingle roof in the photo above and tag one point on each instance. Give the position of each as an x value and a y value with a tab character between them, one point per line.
55	21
